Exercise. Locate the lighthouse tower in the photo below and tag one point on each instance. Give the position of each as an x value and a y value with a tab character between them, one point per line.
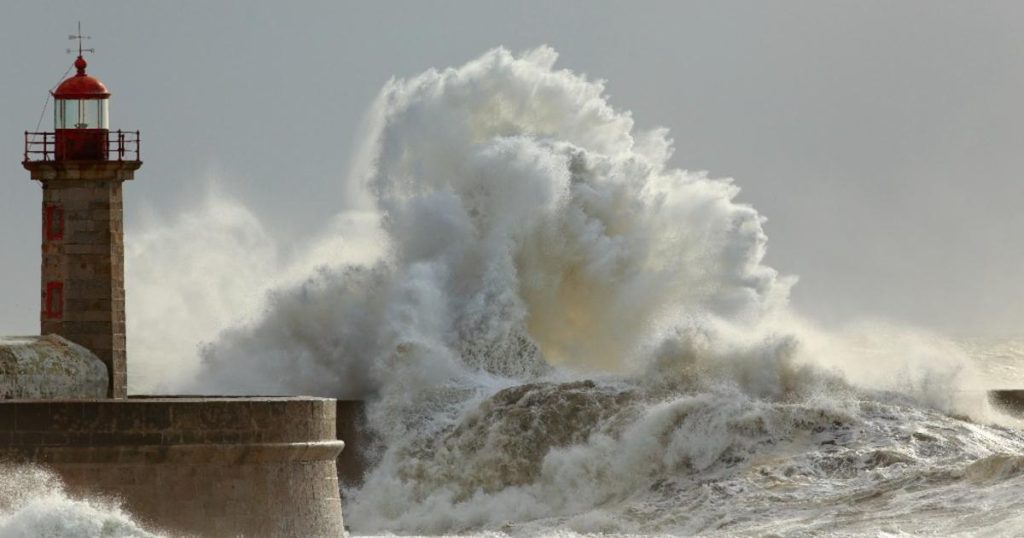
81	165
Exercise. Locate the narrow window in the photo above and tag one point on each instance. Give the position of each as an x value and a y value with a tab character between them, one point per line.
54	300
53	222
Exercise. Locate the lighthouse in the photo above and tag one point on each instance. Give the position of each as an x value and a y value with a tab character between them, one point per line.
190	465
81	166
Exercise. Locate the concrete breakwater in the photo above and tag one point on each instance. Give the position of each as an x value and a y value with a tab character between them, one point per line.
204	466
49	366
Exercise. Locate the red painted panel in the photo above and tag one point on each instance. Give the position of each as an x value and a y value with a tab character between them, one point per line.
82	144
53	222
54	305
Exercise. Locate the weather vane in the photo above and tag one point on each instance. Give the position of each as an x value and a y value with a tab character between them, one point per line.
80	37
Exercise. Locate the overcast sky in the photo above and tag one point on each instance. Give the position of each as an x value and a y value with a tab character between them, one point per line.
884	141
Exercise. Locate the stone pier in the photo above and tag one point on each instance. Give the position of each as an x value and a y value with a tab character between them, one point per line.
201	466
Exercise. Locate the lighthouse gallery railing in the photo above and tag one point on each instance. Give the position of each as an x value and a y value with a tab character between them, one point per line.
121	146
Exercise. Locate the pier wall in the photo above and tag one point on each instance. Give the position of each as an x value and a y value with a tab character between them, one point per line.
196	466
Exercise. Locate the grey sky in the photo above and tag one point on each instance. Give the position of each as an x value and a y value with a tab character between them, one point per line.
882	140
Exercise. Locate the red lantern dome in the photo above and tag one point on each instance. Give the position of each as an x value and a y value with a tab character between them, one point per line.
80	106
81	86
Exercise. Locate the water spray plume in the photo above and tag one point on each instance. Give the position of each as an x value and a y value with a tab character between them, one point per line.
557	329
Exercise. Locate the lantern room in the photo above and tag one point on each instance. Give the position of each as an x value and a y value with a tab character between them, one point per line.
81	117
81	101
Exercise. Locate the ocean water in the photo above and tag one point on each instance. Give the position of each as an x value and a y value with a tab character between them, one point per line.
560	333
827	459
578	458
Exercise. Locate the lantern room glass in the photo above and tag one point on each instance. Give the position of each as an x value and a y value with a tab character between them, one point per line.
81	114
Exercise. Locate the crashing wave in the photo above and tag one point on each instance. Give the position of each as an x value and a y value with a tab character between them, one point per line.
561	330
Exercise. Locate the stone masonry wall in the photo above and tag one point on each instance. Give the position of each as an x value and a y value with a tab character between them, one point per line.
87	259
82	284
194	466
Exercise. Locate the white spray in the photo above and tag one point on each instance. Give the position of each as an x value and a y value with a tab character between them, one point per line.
33	504
557	329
